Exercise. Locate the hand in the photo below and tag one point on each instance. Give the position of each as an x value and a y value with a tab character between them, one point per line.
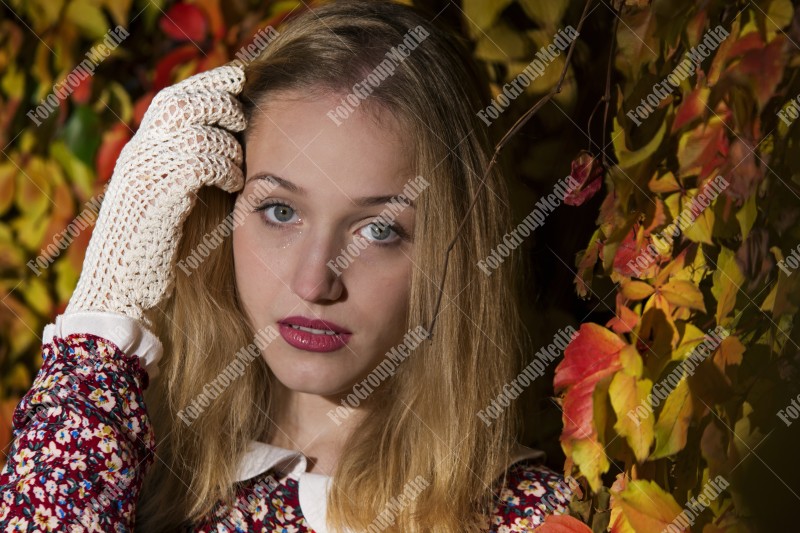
180	147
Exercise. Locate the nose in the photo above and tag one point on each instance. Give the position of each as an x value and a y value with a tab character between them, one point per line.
314	280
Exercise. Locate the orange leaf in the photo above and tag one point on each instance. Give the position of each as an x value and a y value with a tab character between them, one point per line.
730	352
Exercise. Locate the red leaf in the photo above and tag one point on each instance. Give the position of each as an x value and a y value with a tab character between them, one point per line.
588	172
628	251
214	16
140	107
592	355
185	22
693	105
164	68
83	91
113	142
761	69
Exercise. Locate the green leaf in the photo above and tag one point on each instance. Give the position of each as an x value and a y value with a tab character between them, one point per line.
82	134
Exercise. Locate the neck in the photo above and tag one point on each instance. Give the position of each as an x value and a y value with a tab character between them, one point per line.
302	423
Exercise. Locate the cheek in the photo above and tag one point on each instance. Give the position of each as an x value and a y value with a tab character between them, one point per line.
384	291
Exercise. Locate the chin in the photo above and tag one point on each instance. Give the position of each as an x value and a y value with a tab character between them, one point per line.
311	377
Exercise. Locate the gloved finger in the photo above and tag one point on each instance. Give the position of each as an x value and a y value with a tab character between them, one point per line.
198	108
203	140
220	171
228	78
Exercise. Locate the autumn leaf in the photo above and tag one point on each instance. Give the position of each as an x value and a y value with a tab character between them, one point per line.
591	356
682	293
643	506
627	392
727	279
636	290
185	22
672	426
113	142
730	352
694	105
588	172
703	149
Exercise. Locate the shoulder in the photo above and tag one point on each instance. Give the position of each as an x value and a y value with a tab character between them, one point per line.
531	491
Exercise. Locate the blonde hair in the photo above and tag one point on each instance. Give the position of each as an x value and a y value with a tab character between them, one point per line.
425	422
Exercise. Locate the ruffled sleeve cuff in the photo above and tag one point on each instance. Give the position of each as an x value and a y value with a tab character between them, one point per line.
129	334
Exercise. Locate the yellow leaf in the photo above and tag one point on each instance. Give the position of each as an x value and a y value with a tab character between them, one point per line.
730	352
13	82
11	256
23	330
592	460
637	43
66	279
81	175
747	216
19	378
88	17
547	14
684	294
627	393
33	188
636	290
501	43
8	174
664	183
700	229
631	361
119	9
726	280
481	14
692	337
645	506
44	13
673	422
629	158
779	15
36	295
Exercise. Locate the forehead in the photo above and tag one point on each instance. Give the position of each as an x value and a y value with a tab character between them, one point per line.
294	136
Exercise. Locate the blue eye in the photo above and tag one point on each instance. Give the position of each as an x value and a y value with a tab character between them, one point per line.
379	233
282	215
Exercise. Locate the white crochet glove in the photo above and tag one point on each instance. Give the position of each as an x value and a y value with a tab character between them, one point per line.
129	264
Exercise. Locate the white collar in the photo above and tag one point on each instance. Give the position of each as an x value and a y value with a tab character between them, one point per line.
313	488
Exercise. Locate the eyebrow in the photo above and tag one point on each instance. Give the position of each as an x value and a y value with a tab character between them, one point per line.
364	201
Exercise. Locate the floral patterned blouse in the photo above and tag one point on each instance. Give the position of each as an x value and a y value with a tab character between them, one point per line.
83	444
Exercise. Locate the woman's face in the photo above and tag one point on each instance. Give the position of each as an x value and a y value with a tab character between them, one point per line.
283	253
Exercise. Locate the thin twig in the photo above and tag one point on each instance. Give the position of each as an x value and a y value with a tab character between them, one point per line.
516	127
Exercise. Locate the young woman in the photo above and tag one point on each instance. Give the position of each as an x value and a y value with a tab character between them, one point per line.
278	318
